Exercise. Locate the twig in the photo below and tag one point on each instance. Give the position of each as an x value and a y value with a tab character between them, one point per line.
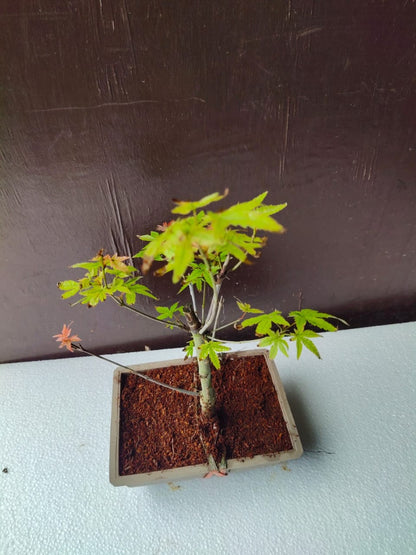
229	324
212	309
215	292
220	305
224	267
79	347
236	266
192	293
120	302
204	290
179	321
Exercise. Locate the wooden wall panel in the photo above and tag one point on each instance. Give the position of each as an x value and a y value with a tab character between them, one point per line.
108	109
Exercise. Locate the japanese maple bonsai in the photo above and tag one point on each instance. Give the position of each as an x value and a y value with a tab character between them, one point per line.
199	249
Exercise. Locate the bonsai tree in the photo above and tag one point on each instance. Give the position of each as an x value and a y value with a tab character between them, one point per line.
199	250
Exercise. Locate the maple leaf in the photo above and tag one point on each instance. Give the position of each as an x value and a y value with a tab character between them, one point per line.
65	338
117	262
264	322
210	350
164	226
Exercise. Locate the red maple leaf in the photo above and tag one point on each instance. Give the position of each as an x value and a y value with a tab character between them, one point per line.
65	338
164	226
115	261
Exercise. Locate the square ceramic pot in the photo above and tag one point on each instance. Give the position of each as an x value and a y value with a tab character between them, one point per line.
199	470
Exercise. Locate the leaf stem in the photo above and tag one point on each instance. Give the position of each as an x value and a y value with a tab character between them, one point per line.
103	270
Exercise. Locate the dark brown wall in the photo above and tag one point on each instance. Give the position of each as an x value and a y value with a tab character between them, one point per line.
110	109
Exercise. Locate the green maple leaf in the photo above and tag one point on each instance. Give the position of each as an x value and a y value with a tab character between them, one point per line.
196	277
208	235
210	350
314	318
131	289
276	342
183	257
265	322
148	238
90	266
176	245
253	214
186	207
304	338
70	287
189	349
94	295
248	309
167	313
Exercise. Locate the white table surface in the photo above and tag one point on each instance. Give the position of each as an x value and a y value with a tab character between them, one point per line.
353	491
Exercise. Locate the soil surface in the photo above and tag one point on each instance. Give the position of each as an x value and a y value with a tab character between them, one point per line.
162	429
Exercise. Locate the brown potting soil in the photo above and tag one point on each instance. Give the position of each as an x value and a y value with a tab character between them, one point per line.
162	429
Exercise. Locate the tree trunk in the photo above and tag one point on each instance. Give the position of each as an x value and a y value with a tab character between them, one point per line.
207	398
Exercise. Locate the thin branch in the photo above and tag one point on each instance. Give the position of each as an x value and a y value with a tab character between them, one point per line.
212	309
220	305
79	347
215	292
224	266
229	324
192	293
179	321
237	265
120	302
193	324
204	291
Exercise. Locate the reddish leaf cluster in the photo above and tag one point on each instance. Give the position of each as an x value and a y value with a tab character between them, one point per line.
65	338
